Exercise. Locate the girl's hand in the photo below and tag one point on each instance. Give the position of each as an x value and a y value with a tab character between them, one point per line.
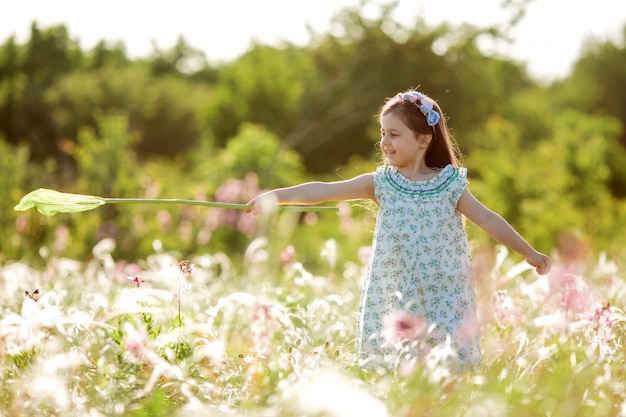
541	262
262	203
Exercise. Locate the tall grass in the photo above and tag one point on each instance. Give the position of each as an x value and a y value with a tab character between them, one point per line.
204	337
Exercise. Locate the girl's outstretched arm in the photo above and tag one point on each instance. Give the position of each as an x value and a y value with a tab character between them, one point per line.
360	187
499	229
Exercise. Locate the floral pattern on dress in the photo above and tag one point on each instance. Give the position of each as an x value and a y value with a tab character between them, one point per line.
420	263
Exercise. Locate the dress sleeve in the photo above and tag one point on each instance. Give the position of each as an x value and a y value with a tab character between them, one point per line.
378	182
460	182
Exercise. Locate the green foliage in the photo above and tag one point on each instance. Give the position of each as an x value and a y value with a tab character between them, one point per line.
265	86
160	110
550	185
106	54
105	159
153	328
601	73
27	72
50	89
181	59
20	233
22	360
253	150
197	131
106	167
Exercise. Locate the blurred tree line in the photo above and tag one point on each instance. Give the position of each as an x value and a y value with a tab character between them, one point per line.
549	158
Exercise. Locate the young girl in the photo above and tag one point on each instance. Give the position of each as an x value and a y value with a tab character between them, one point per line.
420	261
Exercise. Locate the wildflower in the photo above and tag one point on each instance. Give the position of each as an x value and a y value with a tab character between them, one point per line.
603	319
331	394
505	309
256	252
330	253
136	280
470	328
440	361
162	371
288	256
364	254
401	326
62	236
134	341
214	351
577	299
603	316
407	367
230	192
247	225
556	321
164	219
570	292
263	325
102	253
318	310
19	334
104	248
125	271
45	384
345	217
311	218
187	268
33	295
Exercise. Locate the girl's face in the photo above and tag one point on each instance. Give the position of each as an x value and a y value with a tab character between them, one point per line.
399	144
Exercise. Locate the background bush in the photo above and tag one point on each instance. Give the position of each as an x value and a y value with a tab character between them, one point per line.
98	122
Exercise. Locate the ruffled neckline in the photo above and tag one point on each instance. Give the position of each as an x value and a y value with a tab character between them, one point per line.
429	186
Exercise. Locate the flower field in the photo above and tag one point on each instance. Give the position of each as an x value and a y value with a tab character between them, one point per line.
207	336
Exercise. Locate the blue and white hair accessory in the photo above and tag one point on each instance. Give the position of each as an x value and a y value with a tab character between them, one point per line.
424	103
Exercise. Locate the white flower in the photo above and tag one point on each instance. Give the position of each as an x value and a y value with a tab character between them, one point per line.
330	394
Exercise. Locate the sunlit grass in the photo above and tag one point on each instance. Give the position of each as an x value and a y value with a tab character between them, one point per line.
161	338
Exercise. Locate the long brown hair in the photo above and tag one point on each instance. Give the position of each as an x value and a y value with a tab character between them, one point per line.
443	149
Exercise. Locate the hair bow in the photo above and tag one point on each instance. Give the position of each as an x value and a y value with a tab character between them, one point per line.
424	103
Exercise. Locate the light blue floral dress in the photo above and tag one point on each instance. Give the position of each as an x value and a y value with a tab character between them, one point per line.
420	263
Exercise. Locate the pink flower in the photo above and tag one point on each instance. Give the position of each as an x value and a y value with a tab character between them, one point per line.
604	320
288	256
187	268
247	225
134	341
263	326
136	280
125	271
62	235
577	299
604	316
345	217
401	325
470	329
570	292
364	254
230	191
164	219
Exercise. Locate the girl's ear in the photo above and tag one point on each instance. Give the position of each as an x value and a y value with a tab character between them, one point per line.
424	139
